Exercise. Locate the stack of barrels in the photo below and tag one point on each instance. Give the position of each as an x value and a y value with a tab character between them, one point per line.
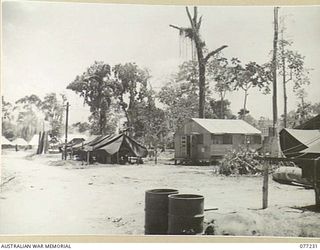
168	212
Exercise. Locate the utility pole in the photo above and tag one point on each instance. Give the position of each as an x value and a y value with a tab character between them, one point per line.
274	71
66	132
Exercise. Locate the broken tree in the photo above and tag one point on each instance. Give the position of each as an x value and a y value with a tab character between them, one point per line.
193	33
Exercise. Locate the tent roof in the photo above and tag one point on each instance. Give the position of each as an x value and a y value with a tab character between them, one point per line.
306	137
5	141
314	148
313	123
20	142
225	126
112	144
34	140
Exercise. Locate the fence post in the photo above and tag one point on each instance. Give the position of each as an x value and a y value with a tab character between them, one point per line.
316	182
265	185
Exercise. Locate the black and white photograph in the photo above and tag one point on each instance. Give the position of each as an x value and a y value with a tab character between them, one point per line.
149	119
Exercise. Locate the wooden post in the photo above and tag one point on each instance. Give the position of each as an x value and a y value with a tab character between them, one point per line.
155	155
118	157
316	182
274	70
66	132
265	185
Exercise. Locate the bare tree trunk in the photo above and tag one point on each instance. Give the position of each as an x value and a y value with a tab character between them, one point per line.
102	121
202	89
202	61
274	70
245	104
285	99
221	107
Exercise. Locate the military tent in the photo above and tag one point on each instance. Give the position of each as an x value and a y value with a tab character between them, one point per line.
5	143
293	141
20	142
314	148
114	148
34	142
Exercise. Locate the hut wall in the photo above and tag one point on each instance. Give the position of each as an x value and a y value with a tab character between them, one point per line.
192	129
203	145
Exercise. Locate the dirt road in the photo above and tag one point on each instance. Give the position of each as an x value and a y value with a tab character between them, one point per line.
47	196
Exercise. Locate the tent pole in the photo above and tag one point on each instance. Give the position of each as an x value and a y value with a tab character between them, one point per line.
118	157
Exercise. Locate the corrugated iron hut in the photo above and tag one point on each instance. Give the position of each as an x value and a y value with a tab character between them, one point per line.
209	139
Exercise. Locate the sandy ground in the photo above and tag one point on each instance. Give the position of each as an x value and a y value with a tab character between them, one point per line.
47	196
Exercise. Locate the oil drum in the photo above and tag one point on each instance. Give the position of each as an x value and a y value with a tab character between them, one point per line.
156	210
186	214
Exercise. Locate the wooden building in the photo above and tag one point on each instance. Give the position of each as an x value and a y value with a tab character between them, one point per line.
210	139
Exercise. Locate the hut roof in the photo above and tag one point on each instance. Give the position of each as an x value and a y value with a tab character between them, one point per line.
225	126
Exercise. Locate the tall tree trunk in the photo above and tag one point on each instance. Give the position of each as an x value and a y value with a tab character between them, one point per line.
274	71
245	104
202	89
102	121
285	98
221	107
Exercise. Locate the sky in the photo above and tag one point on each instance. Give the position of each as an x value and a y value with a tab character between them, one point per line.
45	45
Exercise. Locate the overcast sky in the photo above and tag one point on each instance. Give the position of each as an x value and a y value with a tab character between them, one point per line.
45	45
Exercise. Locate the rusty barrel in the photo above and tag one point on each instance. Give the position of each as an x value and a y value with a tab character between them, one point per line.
156	210
186	214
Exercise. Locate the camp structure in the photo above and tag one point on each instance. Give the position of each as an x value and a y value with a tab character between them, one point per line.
293	141
313	123
302	146
206	140
112	149
20	142
34	142
5	143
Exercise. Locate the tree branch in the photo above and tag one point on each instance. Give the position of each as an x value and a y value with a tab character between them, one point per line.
190	19
212	53
195	14
176	27
199	23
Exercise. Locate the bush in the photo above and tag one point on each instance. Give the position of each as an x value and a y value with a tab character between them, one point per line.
240	162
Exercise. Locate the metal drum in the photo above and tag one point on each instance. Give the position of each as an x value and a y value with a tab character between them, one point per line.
156	210
185	214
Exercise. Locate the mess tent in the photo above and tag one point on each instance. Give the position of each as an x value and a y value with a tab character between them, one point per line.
111	149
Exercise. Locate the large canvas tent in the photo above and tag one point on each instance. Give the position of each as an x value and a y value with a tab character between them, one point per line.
5	141
294	141
34	142
113	148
